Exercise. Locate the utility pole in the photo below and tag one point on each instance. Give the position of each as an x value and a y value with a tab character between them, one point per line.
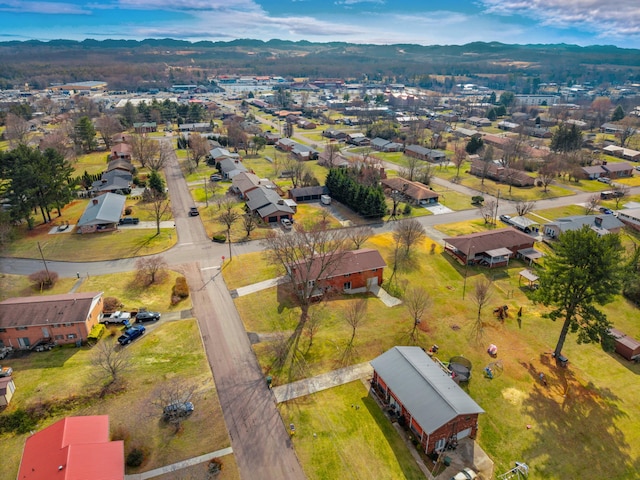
45	263
495	217
206	196
466	270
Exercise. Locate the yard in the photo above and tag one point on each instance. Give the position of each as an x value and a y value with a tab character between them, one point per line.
588	410
64	379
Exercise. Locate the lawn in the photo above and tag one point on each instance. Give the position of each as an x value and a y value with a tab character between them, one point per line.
65	376
92	163
592	404
335	440
19	286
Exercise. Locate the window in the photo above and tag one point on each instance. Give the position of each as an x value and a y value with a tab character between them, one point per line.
68	324
56	325
2	330
21	328
71	336
440	444
59	337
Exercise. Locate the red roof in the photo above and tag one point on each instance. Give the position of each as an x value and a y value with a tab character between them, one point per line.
74	448
344	263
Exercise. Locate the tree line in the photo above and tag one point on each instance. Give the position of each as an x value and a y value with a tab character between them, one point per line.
366	200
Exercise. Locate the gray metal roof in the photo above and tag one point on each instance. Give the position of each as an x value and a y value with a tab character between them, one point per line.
104	209
427	392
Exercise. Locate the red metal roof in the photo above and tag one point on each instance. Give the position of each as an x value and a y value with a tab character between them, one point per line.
74	448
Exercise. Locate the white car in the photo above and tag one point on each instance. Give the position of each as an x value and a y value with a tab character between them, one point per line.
465	474
286	223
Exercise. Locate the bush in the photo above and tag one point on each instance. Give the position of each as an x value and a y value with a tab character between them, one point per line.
407	209
20	421
477	200
135	457
96	332
181	289
43	280
111	304
128	210
220	238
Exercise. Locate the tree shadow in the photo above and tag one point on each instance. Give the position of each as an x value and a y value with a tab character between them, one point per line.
575	432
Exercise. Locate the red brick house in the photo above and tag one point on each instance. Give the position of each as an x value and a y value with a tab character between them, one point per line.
65	318
432	405
493	248
121	151
73	448
347	271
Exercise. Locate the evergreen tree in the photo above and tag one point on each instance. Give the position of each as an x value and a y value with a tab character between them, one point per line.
474	145
156	182
618	114
567	138
85	134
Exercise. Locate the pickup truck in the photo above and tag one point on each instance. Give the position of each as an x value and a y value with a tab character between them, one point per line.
117	317
131	334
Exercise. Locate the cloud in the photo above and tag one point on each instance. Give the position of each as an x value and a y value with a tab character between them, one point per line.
50	8
354	2
599	16
190	5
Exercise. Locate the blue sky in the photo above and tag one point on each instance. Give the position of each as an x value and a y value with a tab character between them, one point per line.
426	22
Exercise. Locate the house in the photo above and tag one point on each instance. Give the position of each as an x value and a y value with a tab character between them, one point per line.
303	153
271	137
119	164
64	318
384	145
630	217
611	128
479	121
492	248
351	272
508	126
618	169
230	167
244	182
331	159
593	172
433	406
102	214
195	127
114	181
414	192
121	151
358	139
601	224
495	171
285	144
145	127
73	448
625	346
461	132
426	154
219	153
307	194
334	134
268	205
538	132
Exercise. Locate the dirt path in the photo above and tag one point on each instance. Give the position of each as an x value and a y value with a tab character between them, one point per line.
260	442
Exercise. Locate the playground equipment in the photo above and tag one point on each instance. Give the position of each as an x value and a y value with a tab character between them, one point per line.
493	370
520	471
460	369
492	350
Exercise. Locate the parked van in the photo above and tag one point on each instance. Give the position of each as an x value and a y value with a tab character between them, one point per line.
325	199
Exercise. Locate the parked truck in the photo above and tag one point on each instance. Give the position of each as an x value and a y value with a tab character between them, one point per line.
117	317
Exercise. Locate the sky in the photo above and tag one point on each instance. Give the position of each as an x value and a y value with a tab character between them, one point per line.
424	22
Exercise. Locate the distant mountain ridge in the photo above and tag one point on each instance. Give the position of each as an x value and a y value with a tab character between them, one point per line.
161	61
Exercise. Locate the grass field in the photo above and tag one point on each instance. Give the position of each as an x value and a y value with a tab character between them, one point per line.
334	440
589	410
170	352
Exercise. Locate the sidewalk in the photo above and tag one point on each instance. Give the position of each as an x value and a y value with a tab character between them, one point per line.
325	381
179	465
256	287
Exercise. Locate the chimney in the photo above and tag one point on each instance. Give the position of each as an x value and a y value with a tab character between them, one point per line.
598	221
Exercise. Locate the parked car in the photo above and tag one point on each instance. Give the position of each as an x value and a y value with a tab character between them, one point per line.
45	346
5	371
129	221
215	177
181	409
117	317
465	474
604	179
286	223
637	167
131	334
505	219
193	212
146	316
606	211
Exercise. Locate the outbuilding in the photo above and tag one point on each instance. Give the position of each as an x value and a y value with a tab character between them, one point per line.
627	347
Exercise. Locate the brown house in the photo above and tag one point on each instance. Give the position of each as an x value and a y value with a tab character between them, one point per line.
493	248
356	269
414	192
494	171
65	318
121	151
417	389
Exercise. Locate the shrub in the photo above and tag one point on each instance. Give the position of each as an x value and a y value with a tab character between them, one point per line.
407	209
215	466
96	332
128	210
120	432
111	304
135	457
181	289
220	238
19	421
477	200
43	280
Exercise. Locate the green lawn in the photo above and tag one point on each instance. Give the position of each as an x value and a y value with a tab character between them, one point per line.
592	404
334	440
171	352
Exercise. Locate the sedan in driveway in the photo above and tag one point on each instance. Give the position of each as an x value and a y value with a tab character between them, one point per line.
131	334
286	223
146	316
606	211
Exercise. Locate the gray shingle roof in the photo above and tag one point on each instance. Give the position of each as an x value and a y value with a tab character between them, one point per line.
426	391
104	209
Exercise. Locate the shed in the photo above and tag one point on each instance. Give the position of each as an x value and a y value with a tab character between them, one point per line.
625	346
7	387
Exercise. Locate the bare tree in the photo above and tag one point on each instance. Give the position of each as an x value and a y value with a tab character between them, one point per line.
144	149
481	297
487	210
228	217
408	233
410	171
425	173
629	128
17	130
620	192
306	256
150	270
249	223
592	203
297	169
547	173
458	159
314	322
59	141
108	126
158	204
487	158
522	207
199	146
162	157
355	315
175	395
43	279
359	235
110	360
417	301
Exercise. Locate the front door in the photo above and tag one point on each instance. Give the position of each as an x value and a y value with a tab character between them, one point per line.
45	332
24	342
